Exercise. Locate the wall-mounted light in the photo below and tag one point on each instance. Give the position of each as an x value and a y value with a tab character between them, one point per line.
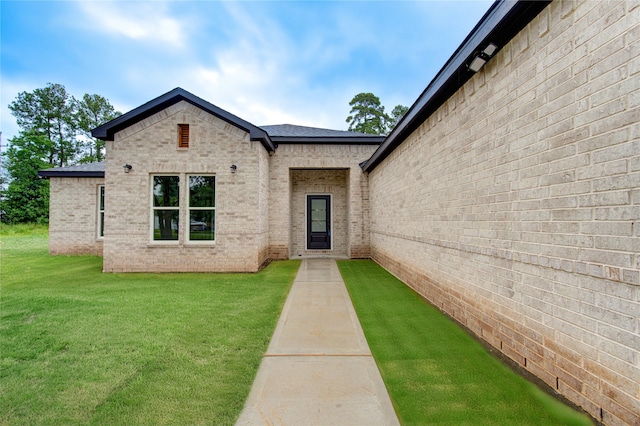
482	57
233	168
127	168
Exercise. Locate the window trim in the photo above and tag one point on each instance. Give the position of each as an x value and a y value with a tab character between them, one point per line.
101	213
189	208
154	208
184	211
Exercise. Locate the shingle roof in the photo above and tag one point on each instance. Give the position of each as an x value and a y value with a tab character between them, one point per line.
291	130
78	170
289	133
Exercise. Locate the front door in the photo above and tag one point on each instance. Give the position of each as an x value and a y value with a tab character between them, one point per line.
319	222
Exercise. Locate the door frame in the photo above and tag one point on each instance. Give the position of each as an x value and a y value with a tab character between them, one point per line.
307	218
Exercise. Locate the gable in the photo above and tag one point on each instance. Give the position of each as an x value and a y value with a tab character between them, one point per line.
107	131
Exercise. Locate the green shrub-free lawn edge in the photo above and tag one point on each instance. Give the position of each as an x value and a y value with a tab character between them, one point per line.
82	347
434	371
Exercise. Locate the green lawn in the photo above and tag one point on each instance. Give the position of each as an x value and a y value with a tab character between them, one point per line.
434	371
82	347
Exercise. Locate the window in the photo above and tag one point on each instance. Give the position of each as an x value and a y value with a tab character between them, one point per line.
202	208
183	136
101	211
196	214
166	207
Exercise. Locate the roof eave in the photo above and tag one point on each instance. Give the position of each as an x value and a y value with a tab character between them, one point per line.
355	140
69	174
499	25
108	130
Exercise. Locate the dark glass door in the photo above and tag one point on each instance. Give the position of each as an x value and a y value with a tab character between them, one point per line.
319	222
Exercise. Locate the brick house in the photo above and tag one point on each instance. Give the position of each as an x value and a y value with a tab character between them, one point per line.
508	196
186	186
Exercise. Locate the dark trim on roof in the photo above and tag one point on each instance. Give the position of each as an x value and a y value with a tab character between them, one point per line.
107	131
351	140
503	20
293	134
49	173
87	170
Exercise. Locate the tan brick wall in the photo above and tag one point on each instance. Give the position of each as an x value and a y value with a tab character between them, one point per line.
324	162
73	217
150	146
515	207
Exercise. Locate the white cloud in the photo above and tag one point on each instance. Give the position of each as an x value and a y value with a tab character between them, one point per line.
267	62
141	21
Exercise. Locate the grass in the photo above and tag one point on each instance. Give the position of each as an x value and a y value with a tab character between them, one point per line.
434	371
81	347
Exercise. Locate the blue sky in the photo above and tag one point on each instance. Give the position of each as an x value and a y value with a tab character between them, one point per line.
269	62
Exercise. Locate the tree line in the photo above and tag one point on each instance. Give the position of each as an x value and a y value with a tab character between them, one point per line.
54	131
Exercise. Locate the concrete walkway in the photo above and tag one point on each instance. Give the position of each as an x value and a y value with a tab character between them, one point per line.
318	369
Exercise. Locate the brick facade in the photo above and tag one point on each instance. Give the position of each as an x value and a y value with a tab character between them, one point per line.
73	217
150	146
514	207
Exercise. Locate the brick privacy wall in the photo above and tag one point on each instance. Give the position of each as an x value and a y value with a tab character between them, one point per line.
73	217
515	208
319	182
316	156
150	146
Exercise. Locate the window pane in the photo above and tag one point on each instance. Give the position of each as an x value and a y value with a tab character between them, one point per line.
317	226
202	225
165	191
102	224
202	191
318	215
102	198
165	224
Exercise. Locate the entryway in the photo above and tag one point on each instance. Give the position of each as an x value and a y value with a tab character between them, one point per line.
319	213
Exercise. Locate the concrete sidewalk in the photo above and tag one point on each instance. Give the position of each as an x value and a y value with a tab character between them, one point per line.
318	369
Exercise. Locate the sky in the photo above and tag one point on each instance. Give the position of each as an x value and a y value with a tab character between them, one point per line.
268	62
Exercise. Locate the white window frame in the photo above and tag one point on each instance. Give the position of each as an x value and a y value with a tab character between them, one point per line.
153	208
189	209
100	218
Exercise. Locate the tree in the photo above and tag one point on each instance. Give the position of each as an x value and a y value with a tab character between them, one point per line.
26	198
49	112
93	111
54	131
367	115
396	115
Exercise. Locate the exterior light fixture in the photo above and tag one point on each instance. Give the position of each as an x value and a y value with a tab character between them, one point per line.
127	168
233	168
481	58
